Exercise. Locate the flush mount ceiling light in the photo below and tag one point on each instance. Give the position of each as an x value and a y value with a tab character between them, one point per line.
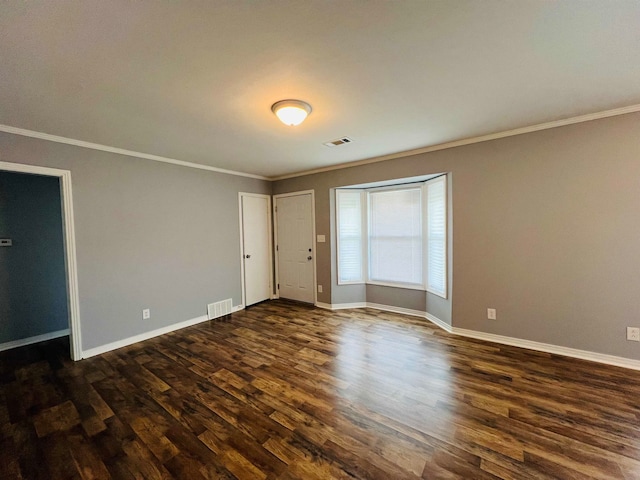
291	112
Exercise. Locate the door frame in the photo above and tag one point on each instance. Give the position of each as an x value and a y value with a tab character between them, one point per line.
270	246
313	233
69	235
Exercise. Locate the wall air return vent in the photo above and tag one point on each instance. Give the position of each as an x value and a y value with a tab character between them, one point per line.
338	142
219	309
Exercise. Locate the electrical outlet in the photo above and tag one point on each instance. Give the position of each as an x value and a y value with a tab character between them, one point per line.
633	334
319	288
146	314
491	313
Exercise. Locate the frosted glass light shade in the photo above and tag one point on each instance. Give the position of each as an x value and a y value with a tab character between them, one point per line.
291	112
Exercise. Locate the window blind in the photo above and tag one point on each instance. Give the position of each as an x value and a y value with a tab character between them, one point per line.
436	193
349	220
395	236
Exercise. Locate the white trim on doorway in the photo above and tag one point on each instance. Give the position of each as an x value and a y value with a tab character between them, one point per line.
314	243
268	198
71	265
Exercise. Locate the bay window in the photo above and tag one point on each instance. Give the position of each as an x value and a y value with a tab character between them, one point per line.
394	235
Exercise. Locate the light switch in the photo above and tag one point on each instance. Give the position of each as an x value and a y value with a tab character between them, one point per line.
321	239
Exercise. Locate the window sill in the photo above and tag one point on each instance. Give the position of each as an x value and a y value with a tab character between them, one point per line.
437	294
409	286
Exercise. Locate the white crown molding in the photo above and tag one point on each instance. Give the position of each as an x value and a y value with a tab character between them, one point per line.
121	151
468	141
490	337
407	153
31	340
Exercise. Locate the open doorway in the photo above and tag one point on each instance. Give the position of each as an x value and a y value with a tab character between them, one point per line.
38	275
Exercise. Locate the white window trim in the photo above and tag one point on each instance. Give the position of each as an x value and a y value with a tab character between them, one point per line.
408	286
425	242
445	183
365	212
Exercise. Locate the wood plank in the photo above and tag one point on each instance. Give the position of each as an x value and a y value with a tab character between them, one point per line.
288	391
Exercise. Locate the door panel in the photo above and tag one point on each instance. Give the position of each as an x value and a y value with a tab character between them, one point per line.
295	247
256	249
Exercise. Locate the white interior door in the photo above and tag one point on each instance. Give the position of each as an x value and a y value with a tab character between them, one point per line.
256	247
294	218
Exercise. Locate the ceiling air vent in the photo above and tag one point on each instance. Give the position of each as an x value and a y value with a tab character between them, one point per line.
338	141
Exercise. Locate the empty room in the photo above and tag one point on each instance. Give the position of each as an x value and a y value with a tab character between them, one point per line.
320	239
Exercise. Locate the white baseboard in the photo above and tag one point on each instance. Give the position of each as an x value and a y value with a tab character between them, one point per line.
415	313
31	340
490	337
92	352
393	308
443	325
341	306
550	348
387	308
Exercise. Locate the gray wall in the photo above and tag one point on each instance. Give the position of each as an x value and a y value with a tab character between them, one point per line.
33	295
149	235
545	230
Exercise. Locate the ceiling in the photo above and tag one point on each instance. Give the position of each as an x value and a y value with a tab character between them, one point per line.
195	81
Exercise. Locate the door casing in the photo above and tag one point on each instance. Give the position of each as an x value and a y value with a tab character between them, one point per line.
270	243
313	229
71	263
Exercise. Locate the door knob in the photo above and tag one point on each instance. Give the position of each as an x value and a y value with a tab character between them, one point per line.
309	257
247	256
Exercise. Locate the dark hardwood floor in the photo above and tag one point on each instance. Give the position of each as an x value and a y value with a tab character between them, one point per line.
286	391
